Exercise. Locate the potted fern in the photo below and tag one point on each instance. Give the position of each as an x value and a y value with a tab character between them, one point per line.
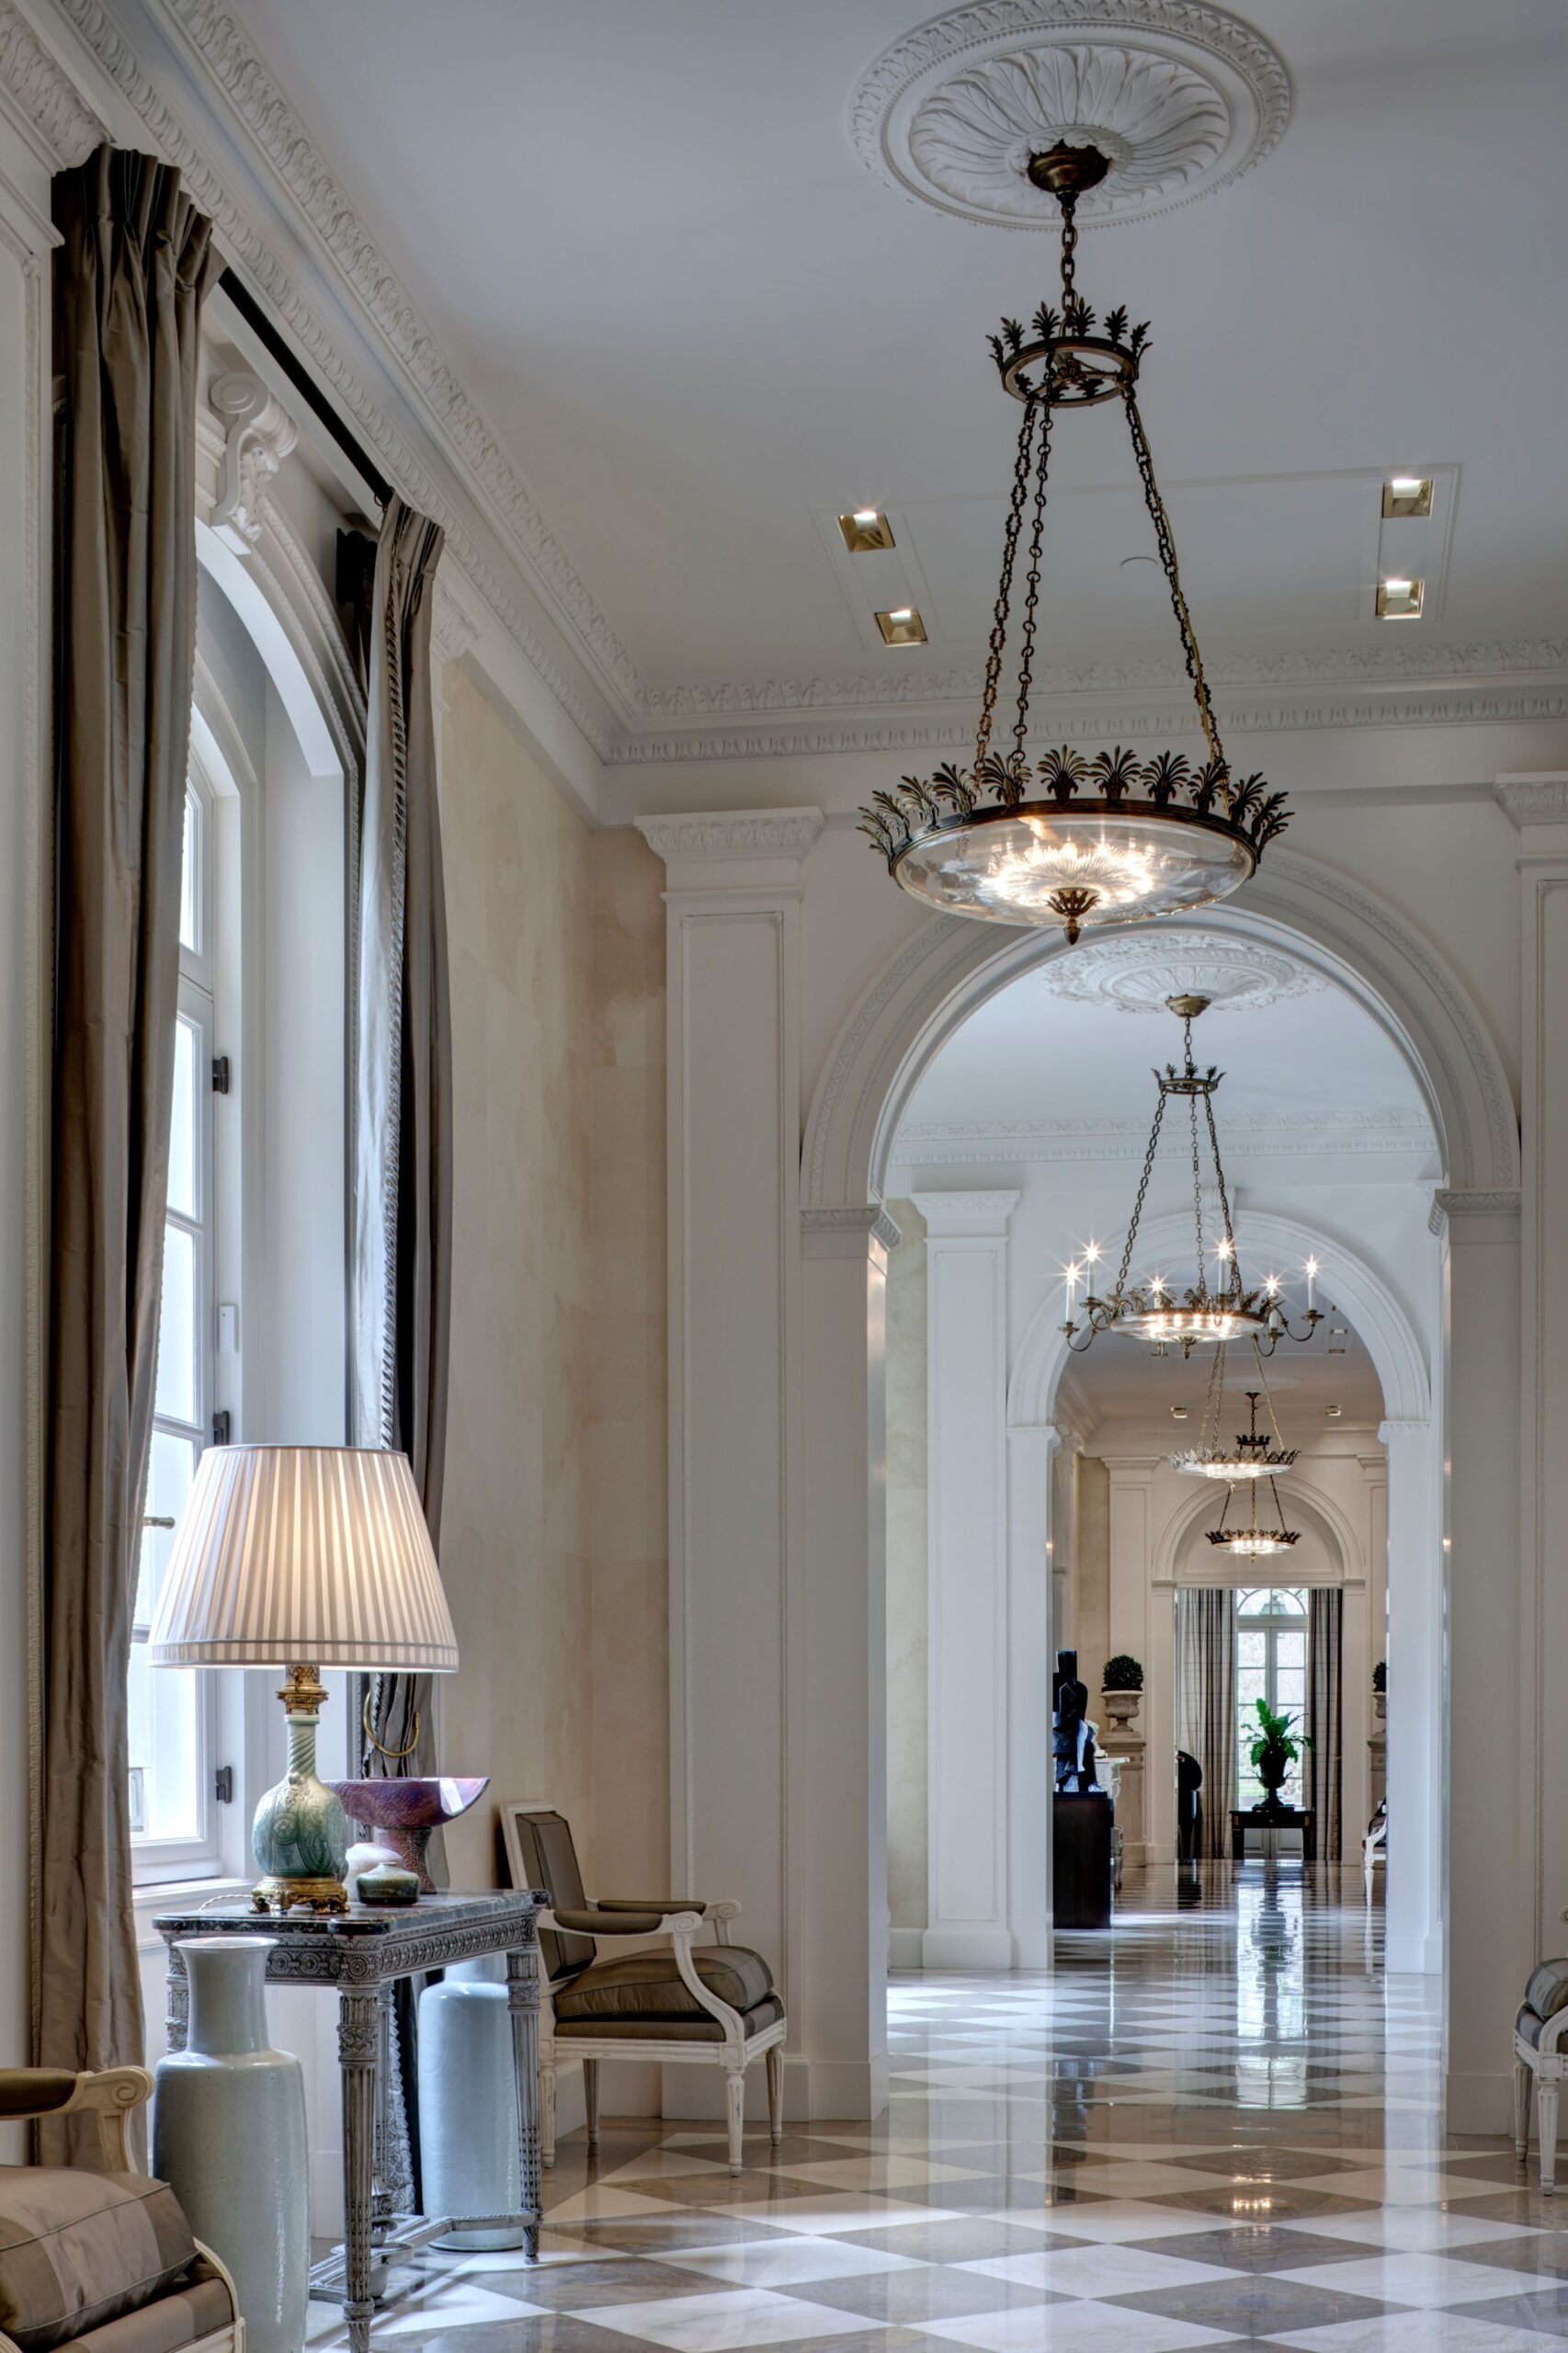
1121	1688
1275	1749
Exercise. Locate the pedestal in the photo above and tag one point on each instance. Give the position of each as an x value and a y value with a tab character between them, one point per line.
1081	1858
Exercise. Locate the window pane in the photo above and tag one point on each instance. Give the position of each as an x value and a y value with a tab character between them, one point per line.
1291	1646
177	1387
1292	1603
165	1748
1252	1649
190	875
170	1472
1252	1684
1292	1691
183	1157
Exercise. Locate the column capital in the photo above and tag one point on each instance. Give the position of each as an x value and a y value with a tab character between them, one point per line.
732	849
1131	1470
1472	1214
1533	797
848	1233
1412	1430
967	1216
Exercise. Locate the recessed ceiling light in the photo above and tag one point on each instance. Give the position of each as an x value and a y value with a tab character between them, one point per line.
866	530
903	627
1407	495
1333	1412
1178	1412
1400	600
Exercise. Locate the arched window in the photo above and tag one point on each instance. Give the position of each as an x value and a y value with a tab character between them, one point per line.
1271	1665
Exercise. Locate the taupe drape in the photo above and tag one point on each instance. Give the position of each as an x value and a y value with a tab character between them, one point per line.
129	276
403	1090
1206	1696
1325	1717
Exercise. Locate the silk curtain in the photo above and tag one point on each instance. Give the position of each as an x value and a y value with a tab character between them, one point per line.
1205	1669
1325	1717
131	274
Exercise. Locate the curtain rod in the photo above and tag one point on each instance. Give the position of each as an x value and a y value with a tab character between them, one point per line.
261	326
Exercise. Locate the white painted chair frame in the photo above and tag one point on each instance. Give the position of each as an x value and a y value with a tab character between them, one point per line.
1374	1849
1548	2063
733	2049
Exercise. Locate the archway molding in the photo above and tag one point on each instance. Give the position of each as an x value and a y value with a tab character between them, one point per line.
1355	940
1323	1512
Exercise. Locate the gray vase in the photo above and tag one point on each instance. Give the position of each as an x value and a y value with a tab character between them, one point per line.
229	2138
468	2101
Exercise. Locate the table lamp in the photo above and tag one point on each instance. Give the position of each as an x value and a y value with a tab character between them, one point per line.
302	1557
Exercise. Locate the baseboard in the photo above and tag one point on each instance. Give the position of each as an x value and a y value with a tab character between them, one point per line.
1478	2103
903	1948
960	1949
1033	1951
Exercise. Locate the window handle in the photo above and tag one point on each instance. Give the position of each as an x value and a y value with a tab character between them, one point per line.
153	1520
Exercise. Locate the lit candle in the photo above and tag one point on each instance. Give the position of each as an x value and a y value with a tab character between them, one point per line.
1069	1302
1312	1284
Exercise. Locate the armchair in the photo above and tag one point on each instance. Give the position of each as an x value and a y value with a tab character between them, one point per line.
683	2003
123	2273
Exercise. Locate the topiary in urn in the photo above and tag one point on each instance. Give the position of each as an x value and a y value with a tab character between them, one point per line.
1275	1750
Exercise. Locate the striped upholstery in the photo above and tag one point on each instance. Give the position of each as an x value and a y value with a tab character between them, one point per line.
79	2249
182	2317
303	1552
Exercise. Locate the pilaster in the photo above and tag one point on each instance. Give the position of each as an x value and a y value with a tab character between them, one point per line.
1406	1512
1137	1611
966	1275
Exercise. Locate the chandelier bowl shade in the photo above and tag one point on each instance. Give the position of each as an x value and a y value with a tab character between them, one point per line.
1253	1545
1017	865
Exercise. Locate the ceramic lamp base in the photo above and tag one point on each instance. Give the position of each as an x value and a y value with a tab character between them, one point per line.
299	1895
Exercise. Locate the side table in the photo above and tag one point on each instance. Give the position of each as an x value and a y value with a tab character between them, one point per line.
362	1953
1285	1817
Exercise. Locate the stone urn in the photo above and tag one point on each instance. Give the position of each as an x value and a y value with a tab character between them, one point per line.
1273	1765
1121	1707
1380	1706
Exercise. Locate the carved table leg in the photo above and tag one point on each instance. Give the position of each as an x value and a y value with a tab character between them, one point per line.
358	2036
176	1998
522	1993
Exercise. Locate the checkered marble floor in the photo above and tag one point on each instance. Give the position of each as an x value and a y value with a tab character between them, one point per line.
1215	2127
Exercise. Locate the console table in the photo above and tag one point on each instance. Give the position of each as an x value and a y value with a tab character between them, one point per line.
362	1953
1285	1817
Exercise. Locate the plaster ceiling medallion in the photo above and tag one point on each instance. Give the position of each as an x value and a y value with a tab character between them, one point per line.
1140	975
1180	98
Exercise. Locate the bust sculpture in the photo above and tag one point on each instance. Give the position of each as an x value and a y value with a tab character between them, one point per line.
1072	1741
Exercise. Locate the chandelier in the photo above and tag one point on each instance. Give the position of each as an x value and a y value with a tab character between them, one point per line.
1154	1309
1252	1540
1067	839
1255	1454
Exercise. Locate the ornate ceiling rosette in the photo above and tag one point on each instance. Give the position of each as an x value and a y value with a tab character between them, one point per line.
1181	98
1138	974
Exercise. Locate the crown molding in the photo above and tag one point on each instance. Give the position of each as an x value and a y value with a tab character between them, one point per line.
873	1221
773	833
40	97
1050	1142
965	1217
1539	800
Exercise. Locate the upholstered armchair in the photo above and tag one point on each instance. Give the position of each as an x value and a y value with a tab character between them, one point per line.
1540	2059
103	2261
683	2003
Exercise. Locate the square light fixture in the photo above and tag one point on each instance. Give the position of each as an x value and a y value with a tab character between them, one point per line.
1400	600
865	532
903	627
1407	495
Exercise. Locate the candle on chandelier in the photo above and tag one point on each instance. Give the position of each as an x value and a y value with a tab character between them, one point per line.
1312	1284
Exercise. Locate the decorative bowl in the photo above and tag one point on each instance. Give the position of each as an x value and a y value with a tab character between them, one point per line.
405	1810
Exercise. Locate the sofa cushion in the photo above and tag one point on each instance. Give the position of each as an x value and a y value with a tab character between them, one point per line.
648	1985
78	2249
196	2308
701	2027
1548	1988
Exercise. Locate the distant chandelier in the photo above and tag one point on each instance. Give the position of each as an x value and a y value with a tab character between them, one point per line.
1067	839
1252	1540
1255	1454
1152	1309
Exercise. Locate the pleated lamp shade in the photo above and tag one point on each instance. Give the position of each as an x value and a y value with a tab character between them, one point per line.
289	1554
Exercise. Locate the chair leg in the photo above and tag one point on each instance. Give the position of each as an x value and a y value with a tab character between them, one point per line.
546	2113
591	2099
776	2094
1546	2110
735	2083
1522	2076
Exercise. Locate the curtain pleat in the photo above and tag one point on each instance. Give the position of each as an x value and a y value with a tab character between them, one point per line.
1325	1716
403	1152
1206	1655
132	268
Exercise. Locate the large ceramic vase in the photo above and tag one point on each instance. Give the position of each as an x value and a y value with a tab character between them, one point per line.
229	2138
468	2101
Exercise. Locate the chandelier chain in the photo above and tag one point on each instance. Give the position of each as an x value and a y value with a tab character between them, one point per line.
1004	593
1167	545
1196	1183
1122	1271
1026	661
1069	250
1235	1269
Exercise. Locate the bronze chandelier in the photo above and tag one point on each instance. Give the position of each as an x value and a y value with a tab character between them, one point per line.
1252	1540
1065	838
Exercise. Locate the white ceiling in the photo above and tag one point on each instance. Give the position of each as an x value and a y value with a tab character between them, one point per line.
701	326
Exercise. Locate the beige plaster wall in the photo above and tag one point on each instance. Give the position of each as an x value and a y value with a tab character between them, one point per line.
553	1542
1091	1600
906	1569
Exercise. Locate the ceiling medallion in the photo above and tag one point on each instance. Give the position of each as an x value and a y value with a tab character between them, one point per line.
1137	972
1065	839
1179	99
1159	1311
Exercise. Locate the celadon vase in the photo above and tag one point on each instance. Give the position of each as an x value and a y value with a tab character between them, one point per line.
468	2101
300	1831
229	2138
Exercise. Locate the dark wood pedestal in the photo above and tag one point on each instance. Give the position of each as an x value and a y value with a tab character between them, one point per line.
1081	1864
1285	1818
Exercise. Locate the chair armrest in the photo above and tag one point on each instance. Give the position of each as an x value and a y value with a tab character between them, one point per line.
26	2093
721	1913
595	1923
